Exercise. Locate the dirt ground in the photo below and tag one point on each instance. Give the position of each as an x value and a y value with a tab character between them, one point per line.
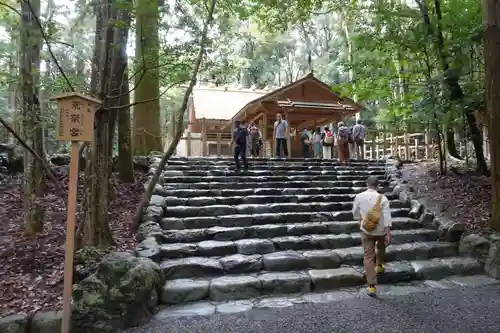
461	194
31	273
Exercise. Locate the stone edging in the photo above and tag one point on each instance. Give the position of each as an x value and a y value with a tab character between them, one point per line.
41	322
483	247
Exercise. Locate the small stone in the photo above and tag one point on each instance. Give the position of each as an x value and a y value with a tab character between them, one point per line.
416	209
284	261
285	282
14	324
322	259
476	246
254	246
430	269
147	229
240	263
234	307
157	200
184	290
216	248
149	248
327	279
178	250
234	287
189	310
46	322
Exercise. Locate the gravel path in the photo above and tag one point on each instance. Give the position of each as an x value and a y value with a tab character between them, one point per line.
455	310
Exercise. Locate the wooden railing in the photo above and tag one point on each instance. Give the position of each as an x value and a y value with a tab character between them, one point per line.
408	146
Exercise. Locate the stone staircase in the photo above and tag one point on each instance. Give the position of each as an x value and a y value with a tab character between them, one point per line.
279	228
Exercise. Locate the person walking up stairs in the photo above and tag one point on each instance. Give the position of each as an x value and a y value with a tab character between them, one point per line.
372	210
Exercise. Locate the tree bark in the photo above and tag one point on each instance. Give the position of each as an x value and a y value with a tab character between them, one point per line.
146	122
491	20
31	43
180	129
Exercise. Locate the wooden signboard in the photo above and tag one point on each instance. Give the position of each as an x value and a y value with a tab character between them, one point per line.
75	117
75	121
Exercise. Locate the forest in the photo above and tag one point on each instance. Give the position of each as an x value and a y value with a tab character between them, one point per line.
419	65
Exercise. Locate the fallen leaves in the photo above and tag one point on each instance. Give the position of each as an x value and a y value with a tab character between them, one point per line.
461	196
32	270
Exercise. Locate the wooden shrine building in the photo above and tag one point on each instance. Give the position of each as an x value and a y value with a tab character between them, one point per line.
305	103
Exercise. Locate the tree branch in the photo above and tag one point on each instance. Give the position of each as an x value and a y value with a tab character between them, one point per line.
182	110
23	143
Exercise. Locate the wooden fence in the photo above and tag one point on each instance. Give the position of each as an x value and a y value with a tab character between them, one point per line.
408	146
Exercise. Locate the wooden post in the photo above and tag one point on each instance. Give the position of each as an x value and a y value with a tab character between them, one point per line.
426	142
416	149
396	145
265	135
288	137
188	144
219	138
407	146
384	142
75	119
203	137
374	143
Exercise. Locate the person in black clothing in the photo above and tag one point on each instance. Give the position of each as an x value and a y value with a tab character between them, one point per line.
306	142
239	140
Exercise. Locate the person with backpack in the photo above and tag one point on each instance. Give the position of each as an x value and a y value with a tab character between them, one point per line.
306	142
327	141
317	142
358	138
372	210
343	142
239	140
255	139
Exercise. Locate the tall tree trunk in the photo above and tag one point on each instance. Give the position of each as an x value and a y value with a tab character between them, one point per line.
31	42
147	128
96	230
491	20
125	163
456	94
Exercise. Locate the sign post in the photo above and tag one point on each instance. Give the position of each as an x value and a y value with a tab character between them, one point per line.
75	123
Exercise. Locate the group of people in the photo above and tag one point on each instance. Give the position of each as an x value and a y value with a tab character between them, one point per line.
347	140
321	143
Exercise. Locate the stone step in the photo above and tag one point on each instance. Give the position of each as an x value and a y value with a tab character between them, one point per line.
155	213
258	200
278	172
214	248
284	261
233	287
277	208
275	230
208	308
244	192
270	184
235	178
271	161
282	167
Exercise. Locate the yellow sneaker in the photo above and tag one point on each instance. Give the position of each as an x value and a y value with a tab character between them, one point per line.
380	269
372	291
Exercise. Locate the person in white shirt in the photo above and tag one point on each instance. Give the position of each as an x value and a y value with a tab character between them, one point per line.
379	236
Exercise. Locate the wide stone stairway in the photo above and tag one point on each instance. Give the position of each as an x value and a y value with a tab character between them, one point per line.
283	227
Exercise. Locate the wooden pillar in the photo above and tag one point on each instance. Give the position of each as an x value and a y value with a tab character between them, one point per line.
188	143
384	142
265	137
219	148
426	142
396	145
407	146
417	153
374	138
377	147
203	137
289	138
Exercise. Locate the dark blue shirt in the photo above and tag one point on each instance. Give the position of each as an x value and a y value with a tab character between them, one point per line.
240	136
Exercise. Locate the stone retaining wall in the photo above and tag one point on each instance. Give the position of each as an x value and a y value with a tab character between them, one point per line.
483	247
